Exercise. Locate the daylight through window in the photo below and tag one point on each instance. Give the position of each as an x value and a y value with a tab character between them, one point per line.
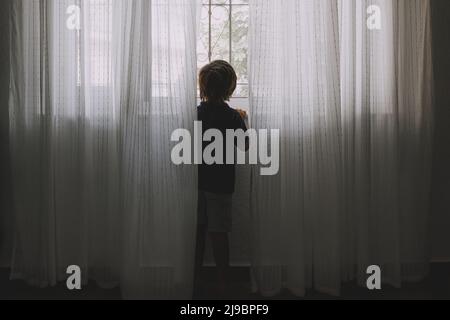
223	35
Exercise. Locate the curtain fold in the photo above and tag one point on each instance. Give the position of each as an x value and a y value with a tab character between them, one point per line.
353	105
97	88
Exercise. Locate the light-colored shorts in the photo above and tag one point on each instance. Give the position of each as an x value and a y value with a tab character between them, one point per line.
214	211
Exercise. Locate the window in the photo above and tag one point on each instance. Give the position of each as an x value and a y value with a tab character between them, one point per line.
223	35
99	41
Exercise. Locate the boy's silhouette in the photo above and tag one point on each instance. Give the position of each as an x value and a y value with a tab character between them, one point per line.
217	82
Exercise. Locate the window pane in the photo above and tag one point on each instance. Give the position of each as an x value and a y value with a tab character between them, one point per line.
203	43
224	28
99	12
240	16
241	91
220	33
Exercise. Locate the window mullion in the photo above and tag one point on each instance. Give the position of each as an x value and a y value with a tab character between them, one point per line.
210	31
230	19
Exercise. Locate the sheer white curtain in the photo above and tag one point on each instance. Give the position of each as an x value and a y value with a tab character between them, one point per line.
353	106
93	105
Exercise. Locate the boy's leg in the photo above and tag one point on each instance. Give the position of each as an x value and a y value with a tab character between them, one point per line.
200	250
219	209
200	237
221	251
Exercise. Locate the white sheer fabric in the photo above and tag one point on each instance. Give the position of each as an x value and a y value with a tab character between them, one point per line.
92	110
353	106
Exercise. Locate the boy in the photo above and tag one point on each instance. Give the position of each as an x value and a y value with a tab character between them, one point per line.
217	82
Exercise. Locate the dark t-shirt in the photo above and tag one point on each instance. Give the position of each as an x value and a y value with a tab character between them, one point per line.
218	178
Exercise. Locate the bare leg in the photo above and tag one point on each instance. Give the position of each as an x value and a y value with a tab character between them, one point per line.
221	252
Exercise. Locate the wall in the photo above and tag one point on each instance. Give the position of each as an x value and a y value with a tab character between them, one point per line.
440	220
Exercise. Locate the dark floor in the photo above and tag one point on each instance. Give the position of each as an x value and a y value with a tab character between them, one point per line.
436	286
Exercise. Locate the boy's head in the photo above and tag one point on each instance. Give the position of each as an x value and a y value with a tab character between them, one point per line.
217	81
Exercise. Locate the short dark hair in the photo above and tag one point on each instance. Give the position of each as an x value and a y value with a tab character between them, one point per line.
217	81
